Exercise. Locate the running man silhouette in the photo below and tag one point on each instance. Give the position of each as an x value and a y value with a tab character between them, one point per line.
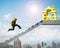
13	24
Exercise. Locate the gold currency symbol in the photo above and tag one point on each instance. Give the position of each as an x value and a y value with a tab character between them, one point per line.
46	16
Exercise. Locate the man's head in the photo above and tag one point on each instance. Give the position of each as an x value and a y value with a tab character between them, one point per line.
14	19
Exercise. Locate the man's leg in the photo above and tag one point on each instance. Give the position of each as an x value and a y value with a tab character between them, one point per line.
13	26
18	26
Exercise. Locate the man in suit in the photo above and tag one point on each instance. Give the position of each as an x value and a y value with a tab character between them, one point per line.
13	24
